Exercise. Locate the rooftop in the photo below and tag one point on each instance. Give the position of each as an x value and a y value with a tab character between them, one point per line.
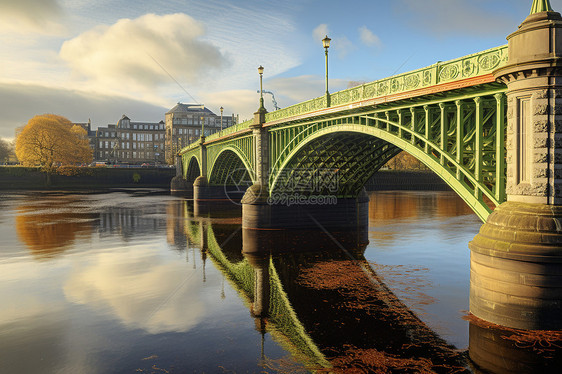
189	108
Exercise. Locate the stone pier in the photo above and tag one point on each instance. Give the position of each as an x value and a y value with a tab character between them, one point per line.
516	259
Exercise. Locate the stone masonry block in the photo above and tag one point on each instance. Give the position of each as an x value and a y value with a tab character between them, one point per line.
540	157
540	124
541	107
540	94
540	172
540	141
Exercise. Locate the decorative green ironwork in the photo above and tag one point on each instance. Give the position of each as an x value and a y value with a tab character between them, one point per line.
241	147
442	72
459	137
459	134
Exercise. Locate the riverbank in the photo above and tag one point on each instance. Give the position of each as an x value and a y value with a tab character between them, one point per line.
24	178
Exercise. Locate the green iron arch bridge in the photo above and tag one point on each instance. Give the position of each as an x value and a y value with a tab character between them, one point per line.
451	116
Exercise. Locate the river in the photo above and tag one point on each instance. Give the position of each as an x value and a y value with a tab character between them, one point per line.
118	283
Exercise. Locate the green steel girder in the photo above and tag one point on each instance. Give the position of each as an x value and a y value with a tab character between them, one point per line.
193	170
242	146
229	163
461	138
189	160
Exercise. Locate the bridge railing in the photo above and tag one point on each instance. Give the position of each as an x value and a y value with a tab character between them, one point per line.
469	66
442	72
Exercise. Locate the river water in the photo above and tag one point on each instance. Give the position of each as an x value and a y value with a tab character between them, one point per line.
131	281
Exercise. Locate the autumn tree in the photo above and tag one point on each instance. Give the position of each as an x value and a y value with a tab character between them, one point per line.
49	140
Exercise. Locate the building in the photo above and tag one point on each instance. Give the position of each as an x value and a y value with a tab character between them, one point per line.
184	123
137	143
130	142
91	134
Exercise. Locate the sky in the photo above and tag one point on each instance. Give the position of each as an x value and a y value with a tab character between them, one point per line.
100	59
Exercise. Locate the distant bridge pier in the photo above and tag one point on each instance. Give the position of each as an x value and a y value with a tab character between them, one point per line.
263	209
516	259
178	184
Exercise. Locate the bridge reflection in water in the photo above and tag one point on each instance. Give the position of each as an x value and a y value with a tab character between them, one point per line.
330	309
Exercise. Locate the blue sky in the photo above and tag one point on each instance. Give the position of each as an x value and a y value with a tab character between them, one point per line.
100	59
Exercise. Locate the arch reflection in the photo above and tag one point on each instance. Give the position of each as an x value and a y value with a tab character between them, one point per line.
328	308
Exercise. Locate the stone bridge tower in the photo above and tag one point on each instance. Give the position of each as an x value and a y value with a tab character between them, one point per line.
516	259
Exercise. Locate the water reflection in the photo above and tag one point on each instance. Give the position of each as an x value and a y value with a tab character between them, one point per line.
328	308
387	207
47	231
130	284
501	350
154	277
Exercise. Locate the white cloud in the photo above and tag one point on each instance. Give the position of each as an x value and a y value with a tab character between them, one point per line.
369	38
25	16
343	46
143	52
320	32
143	291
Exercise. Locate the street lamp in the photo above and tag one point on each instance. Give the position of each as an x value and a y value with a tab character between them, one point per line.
221	109
260	71
203	126
326	44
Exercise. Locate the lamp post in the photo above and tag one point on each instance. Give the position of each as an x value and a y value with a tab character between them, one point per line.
260	71
326	44
203	126
221	109
155	154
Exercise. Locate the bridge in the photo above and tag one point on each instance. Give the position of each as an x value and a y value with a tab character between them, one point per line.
487	123
451	116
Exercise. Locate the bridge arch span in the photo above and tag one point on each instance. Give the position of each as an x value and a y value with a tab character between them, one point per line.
192	169
230	166
356	151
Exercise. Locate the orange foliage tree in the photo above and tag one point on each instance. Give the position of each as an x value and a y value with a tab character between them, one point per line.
49	140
